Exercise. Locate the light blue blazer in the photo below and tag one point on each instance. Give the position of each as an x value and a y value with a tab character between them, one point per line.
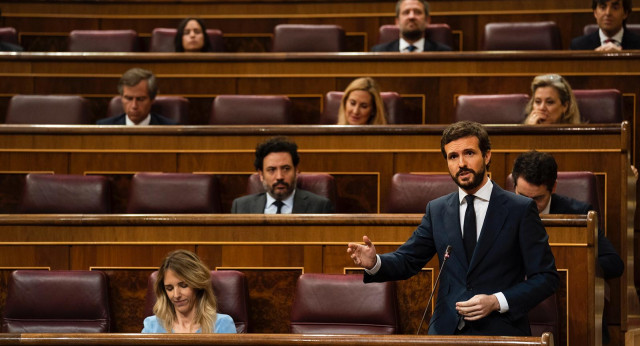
224	325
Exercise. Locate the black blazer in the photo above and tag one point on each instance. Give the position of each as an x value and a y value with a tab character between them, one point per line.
156	119
611	263
592	41
394	46
513	244
304	202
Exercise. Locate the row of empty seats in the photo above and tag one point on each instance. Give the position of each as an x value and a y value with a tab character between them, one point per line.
156	193
596	106
38	302
321	38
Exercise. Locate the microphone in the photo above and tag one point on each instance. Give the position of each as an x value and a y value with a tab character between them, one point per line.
447	254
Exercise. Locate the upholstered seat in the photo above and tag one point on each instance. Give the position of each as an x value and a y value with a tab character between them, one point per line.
9	34
48	109
492	109
172	107
522	36
232	296
173	193
251	110
343	304
410	193
392	102
65	194
41	301
545	317
162	40
308	38
599	105
440	33
103	41
321	184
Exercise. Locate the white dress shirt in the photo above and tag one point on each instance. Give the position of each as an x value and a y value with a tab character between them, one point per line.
145	121
287	207
404	46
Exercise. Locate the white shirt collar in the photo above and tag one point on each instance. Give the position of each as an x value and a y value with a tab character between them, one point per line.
287	207
145	121
418	44
484	193
617	37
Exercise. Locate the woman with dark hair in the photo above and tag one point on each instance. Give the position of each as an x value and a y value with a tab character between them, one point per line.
192	36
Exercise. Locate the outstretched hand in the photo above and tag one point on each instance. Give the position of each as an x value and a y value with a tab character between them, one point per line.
363	255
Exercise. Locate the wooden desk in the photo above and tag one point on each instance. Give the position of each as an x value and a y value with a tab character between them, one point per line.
273	251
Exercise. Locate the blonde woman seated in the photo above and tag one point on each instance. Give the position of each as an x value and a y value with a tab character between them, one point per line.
185	301
361	104
552	102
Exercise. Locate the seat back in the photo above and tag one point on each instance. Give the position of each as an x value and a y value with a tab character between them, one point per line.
232	295
343	304
40	301
545	317
308	38
172	107
251	110
162	40
440	33
589	28
48	109
410	193
103	41
9	34
173	193
393	104
321	184
599	105
492	109
522	36
65	194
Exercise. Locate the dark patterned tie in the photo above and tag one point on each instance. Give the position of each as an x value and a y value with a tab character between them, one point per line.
469	236
279	205
411	48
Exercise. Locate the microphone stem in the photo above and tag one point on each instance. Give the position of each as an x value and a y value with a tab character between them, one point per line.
432	292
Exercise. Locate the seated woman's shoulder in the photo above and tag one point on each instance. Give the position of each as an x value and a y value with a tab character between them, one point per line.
153	325
225	324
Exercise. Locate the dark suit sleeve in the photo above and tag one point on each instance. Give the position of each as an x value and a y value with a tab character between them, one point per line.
234	206
609	260
327	207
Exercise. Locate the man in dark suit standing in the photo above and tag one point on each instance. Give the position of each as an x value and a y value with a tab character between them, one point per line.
497	239
277	165
612	34
412	18
138	88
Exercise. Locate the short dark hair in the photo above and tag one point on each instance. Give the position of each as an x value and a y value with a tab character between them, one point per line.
276	145
626	5
424	3
180	32
463	129
536	168
136	75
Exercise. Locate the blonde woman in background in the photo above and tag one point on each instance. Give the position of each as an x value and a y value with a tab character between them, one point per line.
361	104
552	102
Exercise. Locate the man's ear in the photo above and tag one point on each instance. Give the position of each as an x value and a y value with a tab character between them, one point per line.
553	190
260	175
487	157
428	20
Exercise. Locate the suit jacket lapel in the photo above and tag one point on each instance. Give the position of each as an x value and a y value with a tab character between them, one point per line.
299	202
451	217
259	203
497	213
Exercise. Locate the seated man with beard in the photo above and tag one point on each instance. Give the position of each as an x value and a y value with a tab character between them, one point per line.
412	17
277	164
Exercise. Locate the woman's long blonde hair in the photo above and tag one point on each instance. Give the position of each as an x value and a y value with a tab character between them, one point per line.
196	275
378	114
572	114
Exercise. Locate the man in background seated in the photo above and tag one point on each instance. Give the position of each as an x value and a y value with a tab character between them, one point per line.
412	17
138	89
277	165
612	36
534	175
8	47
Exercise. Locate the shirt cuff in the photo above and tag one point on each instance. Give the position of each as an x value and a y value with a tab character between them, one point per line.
504	306
375	268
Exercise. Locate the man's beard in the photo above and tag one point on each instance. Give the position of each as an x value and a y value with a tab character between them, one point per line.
279	194
412	35
473	183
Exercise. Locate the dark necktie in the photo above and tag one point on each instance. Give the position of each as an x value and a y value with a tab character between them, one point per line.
279	205
411	48
469	236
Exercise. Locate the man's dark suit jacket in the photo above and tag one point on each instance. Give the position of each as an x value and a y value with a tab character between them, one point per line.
592	41
156	119
513	244
608	258
394	46
304	202
9	47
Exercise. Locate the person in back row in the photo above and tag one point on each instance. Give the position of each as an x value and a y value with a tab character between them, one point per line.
552	102
361	104
277	165
412	18
612	34
138	89
191	36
